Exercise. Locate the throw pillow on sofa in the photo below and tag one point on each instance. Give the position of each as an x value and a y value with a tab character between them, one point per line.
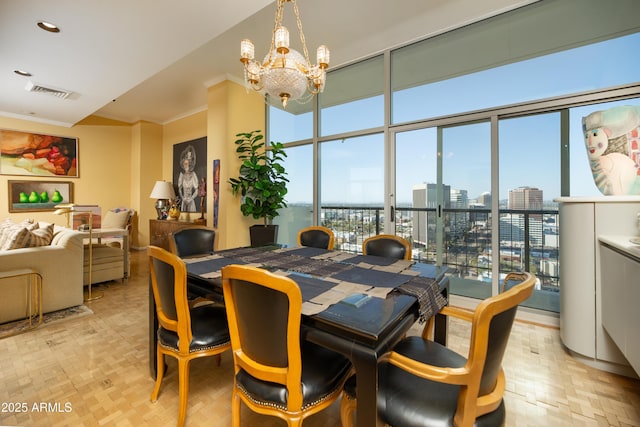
8	228
27	237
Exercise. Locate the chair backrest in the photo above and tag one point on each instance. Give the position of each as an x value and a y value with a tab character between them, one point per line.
192	241
316	237
490	330
387	245
264	311
169	283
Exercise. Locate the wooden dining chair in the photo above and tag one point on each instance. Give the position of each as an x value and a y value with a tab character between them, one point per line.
184	332
425	383
387	245
316	236
192	242
276	372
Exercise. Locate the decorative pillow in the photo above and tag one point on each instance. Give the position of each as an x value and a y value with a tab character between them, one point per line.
41	236
8	228
113	219
27	237
16	238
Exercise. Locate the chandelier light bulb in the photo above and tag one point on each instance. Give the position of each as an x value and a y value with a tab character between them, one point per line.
247	51
282	40
322	56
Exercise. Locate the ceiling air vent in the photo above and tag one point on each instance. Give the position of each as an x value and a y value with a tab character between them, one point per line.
59	93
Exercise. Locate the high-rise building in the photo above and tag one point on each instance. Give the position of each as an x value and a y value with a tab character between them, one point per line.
424	223
525	198
485	199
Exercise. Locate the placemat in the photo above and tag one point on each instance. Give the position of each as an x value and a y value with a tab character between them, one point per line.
211	265
305	252
377	278
370	259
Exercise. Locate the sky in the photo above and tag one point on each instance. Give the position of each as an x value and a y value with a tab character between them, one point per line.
352	170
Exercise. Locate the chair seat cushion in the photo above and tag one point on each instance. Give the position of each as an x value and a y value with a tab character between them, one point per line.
323	374
405	400
208	326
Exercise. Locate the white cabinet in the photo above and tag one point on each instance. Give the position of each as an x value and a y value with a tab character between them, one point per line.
621	295
582	220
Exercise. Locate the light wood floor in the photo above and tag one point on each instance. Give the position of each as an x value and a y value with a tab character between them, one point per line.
93	371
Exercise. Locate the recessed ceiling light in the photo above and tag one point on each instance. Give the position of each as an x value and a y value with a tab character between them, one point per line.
47	26
22	73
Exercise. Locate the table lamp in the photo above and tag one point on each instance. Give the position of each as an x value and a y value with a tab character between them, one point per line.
163	192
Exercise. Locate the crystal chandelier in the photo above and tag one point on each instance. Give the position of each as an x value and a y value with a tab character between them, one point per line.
285	73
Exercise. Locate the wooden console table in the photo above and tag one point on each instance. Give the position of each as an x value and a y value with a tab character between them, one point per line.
161	229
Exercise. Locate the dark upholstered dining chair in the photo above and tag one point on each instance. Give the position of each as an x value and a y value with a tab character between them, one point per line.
423	383
192	242
387	245
276	372
316	236
183	332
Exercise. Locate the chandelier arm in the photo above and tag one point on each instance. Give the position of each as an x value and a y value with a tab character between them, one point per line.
302	39
311	88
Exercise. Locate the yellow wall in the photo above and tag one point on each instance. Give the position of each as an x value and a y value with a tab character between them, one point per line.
104	157
231	111
119	162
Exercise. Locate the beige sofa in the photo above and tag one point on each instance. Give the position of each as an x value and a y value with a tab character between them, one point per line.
60	265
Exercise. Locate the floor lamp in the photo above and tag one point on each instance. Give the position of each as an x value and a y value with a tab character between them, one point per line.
67	209
90	297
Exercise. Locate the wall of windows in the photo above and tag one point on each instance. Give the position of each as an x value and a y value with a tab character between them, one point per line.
476	118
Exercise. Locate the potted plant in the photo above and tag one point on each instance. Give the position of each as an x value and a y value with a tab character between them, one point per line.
261	183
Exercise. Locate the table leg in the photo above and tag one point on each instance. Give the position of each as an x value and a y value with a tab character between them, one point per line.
365	361
366	366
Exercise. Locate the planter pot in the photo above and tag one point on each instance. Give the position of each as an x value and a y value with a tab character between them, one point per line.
262	235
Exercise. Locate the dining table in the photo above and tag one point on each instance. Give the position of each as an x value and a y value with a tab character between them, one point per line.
358	305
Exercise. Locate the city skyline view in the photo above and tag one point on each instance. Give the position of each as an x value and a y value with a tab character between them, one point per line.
352	169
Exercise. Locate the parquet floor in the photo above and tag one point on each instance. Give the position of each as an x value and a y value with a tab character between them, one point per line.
92	371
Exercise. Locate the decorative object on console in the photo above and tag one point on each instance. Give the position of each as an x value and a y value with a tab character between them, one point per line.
174	210
25	153
612	139
163	192
285	73
38	196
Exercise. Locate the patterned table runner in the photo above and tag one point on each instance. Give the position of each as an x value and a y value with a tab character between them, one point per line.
327	277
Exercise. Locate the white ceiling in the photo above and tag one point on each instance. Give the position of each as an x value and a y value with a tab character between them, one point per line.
153	60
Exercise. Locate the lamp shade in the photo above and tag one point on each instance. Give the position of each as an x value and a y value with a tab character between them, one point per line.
162	190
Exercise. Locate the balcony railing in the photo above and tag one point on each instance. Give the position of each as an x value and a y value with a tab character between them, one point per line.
528	238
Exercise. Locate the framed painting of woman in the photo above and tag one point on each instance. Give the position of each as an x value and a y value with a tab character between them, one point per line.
189	167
